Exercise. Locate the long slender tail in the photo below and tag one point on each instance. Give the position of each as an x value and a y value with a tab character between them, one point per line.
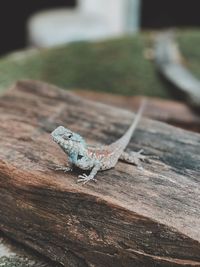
122	142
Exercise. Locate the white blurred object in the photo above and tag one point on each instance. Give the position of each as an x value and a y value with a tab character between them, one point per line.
5	250
59	26
121	15
91	20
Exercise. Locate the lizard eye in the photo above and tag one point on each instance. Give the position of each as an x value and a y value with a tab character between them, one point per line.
67	137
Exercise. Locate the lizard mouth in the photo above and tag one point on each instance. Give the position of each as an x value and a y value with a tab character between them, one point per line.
59	140
55	139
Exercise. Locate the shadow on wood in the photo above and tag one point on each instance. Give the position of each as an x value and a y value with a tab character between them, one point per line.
130	217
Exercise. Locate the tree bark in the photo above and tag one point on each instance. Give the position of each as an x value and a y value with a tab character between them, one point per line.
130	217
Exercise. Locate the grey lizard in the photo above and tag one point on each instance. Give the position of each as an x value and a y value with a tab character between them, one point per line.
98	158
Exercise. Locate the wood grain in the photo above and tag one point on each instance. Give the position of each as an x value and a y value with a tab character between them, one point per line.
130	217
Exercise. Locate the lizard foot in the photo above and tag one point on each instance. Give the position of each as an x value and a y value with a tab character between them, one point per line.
137	156
84	178
62	168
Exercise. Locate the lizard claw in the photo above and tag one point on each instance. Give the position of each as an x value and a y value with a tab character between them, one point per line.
62	168
84	178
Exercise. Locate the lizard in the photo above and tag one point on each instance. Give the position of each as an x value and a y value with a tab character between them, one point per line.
96	158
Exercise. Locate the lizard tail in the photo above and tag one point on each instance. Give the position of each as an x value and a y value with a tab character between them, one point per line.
122	142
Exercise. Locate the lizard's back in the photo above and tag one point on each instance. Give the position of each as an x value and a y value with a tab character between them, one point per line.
110	154
105	155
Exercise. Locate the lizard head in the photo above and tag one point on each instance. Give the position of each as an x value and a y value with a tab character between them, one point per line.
66	138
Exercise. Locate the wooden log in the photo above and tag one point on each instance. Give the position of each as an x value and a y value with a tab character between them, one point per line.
130	217
173	112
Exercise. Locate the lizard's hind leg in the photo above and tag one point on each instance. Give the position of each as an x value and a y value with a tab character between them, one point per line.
134	158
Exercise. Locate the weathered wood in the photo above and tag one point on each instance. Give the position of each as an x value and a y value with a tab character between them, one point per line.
173	112
170	64
130	217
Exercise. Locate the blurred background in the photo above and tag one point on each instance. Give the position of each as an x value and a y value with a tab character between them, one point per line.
107	17
106	50
98	45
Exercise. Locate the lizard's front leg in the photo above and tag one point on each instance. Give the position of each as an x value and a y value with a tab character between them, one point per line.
84	178
65	168
133	157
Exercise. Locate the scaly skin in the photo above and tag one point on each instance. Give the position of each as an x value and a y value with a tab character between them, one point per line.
96	158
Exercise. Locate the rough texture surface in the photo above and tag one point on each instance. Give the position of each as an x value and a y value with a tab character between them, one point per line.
120	66
130	217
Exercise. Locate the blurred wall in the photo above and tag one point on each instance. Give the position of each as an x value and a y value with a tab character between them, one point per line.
163	13
13	17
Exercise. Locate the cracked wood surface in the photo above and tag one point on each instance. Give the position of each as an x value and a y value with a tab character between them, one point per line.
130	217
